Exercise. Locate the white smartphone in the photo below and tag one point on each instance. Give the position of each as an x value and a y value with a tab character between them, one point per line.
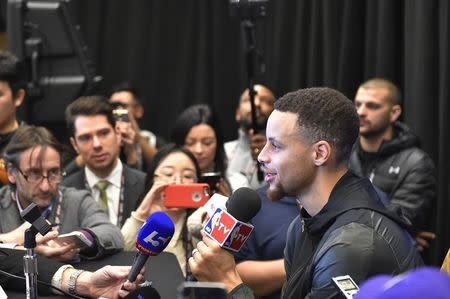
76	237
201	290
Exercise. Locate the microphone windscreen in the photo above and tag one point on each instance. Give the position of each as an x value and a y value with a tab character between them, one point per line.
155	234
244	204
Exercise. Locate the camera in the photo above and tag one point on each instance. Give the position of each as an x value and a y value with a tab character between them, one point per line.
121	115
248	9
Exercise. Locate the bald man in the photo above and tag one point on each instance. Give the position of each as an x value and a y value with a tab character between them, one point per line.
242	152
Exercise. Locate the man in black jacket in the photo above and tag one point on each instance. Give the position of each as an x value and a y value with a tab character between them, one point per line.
388	153
342	229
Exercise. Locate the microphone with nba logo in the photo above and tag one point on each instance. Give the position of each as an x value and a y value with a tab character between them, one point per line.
152	239
229	226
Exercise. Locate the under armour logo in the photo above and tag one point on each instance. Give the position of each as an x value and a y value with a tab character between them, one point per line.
393	169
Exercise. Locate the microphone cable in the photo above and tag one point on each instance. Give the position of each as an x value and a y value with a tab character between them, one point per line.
41	282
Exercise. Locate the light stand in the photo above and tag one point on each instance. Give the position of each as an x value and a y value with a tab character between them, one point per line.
30	263
247	11
32	214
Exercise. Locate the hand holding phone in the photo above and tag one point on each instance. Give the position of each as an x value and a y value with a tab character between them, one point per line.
186	195
75	237
210	178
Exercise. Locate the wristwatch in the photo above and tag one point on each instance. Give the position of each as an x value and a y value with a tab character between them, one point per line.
73	281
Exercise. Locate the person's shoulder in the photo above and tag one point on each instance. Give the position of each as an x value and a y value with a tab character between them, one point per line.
74	194
230	145
133	172
5	196
73	177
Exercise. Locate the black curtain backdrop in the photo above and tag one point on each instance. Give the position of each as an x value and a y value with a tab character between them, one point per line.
180	53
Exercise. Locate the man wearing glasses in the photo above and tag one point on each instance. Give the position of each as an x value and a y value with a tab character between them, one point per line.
34	170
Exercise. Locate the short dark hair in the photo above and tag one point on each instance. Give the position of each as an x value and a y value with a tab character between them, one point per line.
394	95
126	86
324	114
89	106
27	137
12	71
197	115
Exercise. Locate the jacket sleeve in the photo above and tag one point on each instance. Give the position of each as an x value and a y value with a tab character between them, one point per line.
93	219
348	251
415	194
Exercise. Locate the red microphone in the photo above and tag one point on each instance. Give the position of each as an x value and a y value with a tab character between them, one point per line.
229	226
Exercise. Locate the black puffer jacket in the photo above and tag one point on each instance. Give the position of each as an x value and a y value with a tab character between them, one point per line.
353	234
404	172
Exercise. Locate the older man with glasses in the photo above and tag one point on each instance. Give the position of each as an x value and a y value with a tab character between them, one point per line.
34	170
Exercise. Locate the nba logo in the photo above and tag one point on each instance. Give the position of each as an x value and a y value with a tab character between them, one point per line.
220	226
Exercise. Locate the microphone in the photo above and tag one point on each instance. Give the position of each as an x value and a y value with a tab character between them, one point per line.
229	226
152	239
33	215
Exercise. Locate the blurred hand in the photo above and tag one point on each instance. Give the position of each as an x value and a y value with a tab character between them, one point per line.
257	142
153	200
108	281
127	133
16	236
423	239
209	262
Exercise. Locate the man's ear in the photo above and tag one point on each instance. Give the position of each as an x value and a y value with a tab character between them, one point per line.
11	175
138	111
396	111
74	144
18	98
321	152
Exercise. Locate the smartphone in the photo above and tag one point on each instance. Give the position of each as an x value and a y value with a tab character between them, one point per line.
201	290
121	115
186	195
210	178
76	237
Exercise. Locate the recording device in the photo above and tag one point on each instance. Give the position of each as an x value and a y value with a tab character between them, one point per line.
346	285
186	195
152	239
201	290
32	214
248	9
76	237
229	226
121	115
210	178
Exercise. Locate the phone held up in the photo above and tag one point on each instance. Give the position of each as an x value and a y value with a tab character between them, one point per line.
201	290
186	195
121	115
210	178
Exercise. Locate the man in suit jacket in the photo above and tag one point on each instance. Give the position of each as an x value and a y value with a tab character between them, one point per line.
97	139
34	170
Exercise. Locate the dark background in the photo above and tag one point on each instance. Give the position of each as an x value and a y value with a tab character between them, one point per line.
183	52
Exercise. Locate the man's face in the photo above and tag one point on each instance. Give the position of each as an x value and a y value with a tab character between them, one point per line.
97	142
34	162
8	105
376	113
127	101
264	106
287	160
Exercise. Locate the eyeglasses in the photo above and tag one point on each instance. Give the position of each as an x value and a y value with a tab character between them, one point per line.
184	178
53	176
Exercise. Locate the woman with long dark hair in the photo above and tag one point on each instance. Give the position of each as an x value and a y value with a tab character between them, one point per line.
171	165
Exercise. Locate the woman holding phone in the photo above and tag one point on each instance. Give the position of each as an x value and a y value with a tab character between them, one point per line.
171	165
197	129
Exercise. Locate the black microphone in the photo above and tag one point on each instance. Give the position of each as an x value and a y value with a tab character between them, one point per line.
33	215
243	204
152	239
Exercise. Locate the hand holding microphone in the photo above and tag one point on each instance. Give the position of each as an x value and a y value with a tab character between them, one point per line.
152	239
227	228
